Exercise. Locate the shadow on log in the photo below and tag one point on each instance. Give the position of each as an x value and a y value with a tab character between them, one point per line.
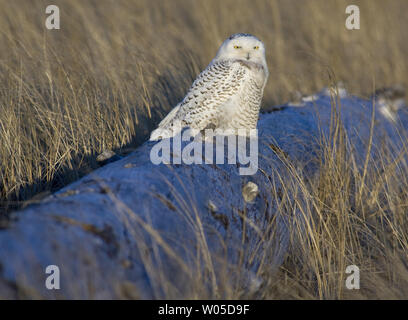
133	229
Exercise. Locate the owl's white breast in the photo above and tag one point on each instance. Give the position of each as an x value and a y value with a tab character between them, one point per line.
242	110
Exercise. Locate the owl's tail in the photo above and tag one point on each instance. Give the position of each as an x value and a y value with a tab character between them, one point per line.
165	128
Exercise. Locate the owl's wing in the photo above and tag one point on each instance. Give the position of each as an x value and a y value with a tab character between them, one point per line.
218	83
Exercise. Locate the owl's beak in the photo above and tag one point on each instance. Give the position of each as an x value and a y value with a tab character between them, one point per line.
248	56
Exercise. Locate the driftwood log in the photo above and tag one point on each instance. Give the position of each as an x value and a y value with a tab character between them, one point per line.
133	229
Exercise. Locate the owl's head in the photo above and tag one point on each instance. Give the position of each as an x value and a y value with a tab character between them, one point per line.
242	46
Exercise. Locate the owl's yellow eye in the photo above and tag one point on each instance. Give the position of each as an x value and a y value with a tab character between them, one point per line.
256	47
237	47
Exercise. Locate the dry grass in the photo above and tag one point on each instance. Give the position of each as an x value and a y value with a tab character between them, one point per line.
355	216
116	67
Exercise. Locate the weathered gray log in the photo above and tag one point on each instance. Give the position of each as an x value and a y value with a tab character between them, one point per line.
135	229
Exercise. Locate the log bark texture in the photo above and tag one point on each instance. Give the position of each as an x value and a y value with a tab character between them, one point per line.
138	230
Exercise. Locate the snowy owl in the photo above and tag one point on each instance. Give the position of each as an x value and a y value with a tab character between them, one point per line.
226	95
